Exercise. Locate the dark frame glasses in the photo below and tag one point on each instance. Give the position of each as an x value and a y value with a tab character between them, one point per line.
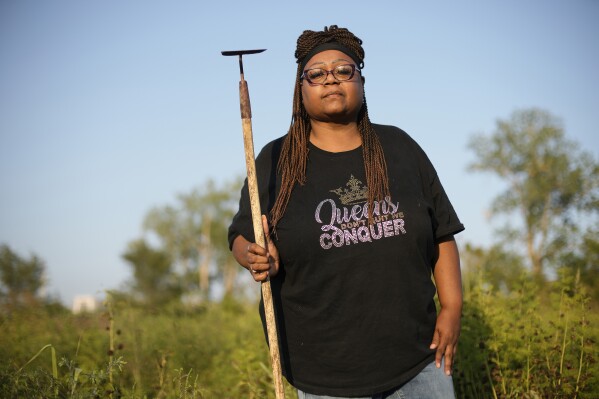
341	73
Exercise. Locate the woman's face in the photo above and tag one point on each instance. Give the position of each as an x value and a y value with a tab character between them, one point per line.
333	101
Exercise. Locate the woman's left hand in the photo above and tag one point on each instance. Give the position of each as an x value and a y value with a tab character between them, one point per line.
445	338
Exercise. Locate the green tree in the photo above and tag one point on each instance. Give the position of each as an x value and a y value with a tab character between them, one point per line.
194	232
551	184
21	279
154	281
498	268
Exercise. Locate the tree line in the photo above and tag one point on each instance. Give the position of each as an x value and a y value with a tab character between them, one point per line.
549	205
529	325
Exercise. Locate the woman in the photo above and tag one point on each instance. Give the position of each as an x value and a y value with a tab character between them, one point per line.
359	223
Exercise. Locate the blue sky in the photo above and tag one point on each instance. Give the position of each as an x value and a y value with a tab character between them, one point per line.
109	108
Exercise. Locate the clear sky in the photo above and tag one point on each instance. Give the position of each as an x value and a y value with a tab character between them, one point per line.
109	108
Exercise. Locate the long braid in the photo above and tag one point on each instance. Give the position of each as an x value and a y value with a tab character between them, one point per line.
375	165
294	150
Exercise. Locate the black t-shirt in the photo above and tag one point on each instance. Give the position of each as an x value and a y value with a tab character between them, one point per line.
353	301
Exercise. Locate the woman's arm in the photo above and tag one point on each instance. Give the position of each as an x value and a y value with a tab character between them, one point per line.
449	288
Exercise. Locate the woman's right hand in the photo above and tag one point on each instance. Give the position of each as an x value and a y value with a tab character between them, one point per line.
261	262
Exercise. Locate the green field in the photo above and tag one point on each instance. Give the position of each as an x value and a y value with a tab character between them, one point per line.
530	343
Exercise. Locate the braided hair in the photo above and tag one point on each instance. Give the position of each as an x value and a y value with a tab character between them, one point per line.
294	150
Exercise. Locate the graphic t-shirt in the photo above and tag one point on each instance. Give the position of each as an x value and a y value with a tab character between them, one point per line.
353	300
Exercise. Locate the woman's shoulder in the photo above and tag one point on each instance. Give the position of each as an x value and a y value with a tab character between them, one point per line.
399	145
269	154
273	147
393	135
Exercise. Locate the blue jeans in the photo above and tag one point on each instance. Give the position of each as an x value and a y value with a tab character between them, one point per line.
430	383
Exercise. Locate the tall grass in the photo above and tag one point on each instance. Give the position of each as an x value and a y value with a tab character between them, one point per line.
212	351
529	343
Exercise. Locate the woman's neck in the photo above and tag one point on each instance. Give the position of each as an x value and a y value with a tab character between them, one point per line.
335	137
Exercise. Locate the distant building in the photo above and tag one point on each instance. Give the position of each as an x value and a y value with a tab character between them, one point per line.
85	303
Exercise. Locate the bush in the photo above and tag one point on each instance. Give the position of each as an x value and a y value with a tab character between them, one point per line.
529	343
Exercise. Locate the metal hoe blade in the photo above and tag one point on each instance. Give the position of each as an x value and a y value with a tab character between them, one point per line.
242	52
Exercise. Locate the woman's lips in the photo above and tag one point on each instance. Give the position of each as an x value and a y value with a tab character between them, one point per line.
333	93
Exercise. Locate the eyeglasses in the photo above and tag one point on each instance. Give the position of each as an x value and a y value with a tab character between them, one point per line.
342	73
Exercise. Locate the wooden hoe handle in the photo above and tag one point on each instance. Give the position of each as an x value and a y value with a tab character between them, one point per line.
248	144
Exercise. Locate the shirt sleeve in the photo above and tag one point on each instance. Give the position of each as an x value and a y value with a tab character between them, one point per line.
266	166
242	221
445	221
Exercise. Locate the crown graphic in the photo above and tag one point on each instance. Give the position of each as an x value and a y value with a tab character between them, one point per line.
356	192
